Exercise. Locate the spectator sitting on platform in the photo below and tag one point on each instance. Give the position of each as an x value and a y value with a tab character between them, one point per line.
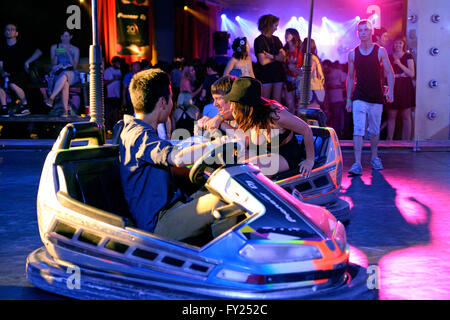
126	100
65	58
15	59
112	81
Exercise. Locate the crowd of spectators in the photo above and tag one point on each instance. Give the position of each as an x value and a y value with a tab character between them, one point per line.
278	67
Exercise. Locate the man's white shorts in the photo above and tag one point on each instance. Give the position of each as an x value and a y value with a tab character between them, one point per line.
371	111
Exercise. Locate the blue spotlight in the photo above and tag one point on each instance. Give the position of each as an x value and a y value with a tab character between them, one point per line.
237	18
223	16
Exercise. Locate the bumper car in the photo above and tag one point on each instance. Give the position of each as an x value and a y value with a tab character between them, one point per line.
278	247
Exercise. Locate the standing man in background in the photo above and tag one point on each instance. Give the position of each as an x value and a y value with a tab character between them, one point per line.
365	99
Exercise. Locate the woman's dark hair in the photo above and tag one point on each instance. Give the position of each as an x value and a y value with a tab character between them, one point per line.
265	22
313	46
62	31
147	87
296	38
239	47
256	117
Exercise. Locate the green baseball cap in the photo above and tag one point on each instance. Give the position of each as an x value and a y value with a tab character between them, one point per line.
246	91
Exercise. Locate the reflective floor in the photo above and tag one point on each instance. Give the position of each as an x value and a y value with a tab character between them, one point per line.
399	228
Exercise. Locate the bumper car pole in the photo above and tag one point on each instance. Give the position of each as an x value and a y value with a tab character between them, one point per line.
305	113
96	99
306	78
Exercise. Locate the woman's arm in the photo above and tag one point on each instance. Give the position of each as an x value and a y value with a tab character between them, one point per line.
250	62
265	58
230	66
408	70
291	122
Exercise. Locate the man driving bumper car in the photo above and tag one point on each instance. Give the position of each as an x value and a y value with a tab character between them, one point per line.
154	200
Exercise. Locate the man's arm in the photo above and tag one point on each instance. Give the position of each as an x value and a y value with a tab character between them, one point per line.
388	71
37	53
350	79
187	156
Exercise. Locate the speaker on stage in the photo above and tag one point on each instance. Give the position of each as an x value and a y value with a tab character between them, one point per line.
221	42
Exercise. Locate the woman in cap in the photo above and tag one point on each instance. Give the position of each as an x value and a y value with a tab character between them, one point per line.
267	123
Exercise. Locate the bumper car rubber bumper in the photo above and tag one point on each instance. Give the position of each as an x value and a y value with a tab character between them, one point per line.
46	273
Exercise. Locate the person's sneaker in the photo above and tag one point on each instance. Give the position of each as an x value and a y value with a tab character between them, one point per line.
22	111
4	112
377	164
356	169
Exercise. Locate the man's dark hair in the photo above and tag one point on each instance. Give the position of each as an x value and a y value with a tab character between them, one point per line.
222	85
147	87
266	22
11	24
211	63
116	59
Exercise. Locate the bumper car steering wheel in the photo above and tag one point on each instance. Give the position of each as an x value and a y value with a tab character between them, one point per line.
214	158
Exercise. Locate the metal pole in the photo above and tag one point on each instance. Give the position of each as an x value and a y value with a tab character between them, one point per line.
306	79
96	75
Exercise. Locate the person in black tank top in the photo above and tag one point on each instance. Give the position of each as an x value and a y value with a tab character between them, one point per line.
365	97
368	76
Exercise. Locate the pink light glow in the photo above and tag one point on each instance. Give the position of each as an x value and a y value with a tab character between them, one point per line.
358	257
402	270
416	267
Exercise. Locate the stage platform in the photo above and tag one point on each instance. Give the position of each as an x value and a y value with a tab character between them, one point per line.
346	145
40	131
39	126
